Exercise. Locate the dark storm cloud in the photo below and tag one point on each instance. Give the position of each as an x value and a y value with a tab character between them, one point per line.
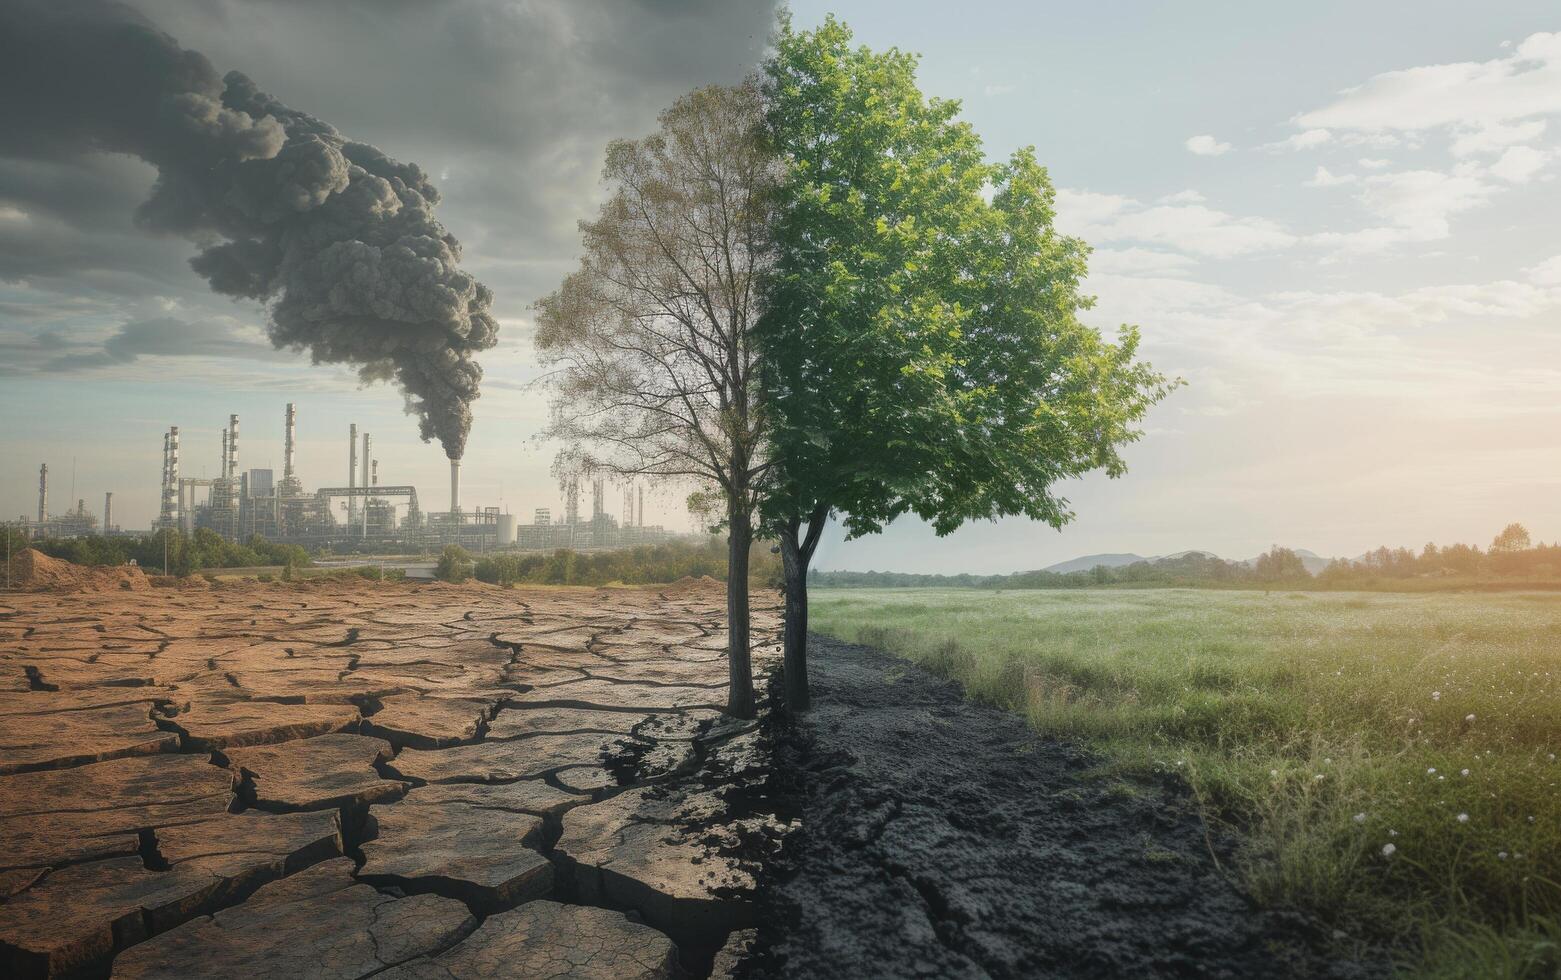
339	239
156	336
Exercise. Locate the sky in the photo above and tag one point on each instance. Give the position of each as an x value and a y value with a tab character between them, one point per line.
1334	221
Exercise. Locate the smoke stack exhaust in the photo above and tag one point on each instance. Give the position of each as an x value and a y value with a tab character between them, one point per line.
108	511
288	452
222	461
455	487
374	473
43	493
176	504
233	449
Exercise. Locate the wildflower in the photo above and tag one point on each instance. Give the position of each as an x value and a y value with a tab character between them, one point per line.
1465	772
1318	778
1392	832
1463	818
1501	855
1360	818
1469	719
1431	771
1436	695
1388	850
1274	773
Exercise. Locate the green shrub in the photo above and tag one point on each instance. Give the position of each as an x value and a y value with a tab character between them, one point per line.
455	564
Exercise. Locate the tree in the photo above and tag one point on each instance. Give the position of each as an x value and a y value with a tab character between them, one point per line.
656	370
1279	565
455	564
1513	537
922	347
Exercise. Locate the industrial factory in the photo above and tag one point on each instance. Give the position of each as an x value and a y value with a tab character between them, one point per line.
364	515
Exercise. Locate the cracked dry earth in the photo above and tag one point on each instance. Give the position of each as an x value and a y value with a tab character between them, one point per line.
407	781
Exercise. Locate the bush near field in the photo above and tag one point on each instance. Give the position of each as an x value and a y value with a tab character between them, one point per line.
641	565
1390	760
186	553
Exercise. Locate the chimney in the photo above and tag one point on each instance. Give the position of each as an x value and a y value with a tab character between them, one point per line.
287	455
352	471
43	493
223	461
639	518
374	472
175	492
233	447
455	487
367	449
108	511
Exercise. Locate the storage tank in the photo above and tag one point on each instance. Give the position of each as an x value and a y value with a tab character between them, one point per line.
506	529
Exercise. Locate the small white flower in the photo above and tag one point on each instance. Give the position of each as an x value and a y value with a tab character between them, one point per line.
1318	778
1431	771
1465	772
1501	855
1469	719
1436	695
1360	818
1388	850
1463	818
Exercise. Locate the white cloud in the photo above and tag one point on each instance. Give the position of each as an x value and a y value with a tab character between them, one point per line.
1191	228
1207	146
1546	273
1134	261
1184	197
1521	85
1519	163
1418	205
1305	140
1371	163
1496	136
1326	178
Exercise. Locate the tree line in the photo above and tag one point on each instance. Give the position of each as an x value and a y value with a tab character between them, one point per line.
1511	558
812	294
656	564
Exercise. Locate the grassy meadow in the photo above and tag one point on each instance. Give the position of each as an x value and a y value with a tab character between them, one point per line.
1389	759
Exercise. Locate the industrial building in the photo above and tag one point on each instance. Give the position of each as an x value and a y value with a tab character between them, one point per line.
74	523
369	516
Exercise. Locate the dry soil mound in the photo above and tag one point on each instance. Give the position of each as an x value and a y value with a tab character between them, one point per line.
689	586
35	571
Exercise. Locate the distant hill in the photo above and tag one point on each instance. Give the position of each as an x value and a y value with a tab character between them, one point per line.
1314	563
1088	562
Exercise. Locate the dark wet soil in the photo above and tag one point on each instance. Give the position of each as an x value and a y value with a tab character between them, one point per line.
943	838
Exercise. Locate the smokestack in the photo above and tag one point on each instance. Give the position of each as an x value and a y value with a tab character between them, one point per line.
233	448
176	503
366	451
287	456
455	487
162	506
338	240
108	511
352	471
43	493
639	518
374	472
223	461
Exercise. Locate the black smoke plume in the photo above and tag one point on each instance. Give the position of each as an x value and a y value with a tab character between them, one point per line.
336	238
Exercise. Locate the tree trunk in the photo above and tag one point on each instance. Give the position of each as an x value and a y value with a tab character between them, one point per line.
796	555
739	538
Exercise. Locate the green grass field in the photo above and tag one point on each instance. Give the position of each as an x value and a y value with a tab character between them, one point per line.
1390	759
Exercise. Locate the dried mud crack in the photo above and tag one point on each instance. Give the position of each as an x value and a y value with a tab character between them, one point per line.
341	780
943	838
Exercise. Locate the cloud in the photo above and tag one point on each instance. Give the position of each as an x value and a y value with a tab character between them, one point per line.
1546	273
1326	178
1184	197
1138	261
155	337
1522	85
1519	163
1418	205
1374	163
1207	146
1306	140
1191	228
1496	136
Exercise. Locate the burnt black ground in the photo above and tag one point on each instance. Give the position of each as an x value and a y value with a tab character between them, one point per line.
943	838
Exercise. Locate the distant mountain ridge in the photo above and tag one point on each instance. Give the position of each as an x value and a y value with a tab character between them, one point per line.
1314	562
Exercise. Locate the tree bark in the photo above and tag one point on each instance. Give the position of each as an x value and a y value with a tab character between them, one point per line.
739	539
797	548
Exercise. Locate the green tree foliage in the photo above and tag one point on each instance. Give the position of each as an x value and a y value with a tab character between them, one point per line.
1513	537
1280	565
641	565
186	553
455	564
921	343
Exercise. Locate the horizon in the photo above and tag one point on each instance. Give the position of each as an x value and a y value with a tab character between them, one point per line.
1341	258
